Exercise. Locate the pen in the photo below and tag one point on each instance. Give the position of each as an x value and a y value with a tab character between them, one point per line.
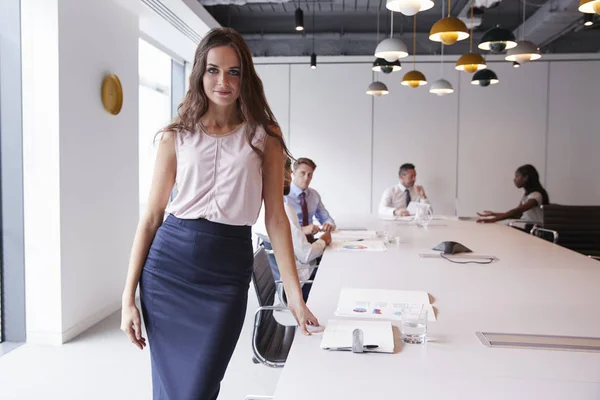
366	347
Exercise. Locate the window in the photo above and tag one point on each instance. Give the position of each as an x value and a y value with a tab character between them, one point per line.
154	109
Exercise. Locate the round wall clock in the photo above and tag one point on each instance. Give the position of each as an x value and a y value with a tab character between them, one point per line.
112	94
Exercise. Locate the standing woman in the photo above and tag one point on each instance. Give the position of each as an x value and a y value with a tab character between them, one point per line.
224	152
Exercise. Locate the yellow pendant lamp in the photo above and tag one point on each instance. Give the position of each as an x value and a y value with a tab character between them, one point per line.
471	62
589	6
448	30
414	78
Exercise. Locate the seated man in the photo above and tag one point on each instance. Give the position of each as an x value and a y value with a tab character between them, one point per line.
395	200
307	201
306	253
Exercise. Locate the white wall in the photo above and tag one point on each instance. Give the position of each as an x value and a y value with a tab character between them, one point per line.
332	126
574	133
99	177
402	134
276	81
80	163
466	146
502	127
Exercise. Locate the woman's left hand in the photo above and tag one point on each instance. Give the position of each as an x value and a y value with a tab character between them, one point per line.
303	316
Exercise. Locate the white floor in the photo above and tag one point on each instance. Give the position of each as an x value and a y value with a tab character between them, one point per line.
101	364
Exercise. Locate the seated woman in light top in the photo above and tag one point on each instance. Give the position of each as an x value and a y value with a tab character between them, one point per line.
527	178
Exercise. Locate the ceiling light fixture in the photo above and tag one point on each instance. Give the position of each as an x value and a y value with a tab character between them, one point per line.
589	6
484	78
299	14
377	89
414	78
408	7
525	50
391	48
471	62
380	64
588	19
497	39
448	30
441	87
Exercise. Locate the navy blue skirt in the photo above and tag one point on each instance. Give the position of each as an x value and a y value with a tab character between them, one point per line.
194	291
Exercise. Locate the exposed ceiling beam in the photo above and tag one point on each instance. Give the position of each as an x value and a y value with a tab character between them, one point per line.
549	22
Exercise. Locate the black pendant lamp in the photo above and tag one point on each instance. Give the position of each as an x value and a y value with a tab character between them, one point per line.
381	65
299	19
497	39
485	77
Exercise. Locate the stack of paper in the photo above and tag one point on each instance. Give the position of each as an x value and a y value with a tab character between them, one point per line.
338	334
381	304
344	235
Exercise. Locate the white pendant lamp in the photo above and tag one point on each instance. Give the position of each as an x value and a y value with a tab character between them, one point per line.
408	7
441	87
391	48
525	50
377	89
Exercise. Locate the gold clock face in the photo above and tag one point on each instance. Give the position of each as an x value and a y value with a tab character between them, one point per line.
112	94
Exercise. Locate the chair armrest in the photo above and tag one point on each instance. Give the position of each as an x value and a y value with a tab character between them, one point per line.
281	282
308	267
538	229
279	289
518	221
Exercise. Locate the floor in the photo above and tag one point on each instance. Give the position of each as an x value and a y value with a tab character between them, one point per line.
101	364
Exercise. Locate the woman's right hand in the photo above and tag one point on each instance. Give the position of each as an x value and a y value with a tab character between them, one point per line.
131	324
303	316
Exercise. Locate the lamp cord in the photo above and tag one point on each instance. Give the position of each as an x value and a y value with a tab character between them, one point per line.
472	23
414	42
491	260
313	26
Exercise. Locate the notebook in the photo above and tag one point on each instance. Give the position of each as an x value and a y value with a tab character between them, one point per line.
338	333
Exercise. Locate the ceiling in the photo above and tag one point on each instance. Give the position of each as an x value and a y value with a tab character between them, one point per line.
349	27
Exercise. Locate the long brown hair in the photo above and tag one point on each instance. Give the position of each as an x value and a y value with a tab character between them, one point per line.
252	103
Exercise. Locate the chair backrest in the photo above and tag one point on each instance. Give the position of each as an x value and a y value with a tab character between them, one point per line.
264	241
271	342
262	278
578	227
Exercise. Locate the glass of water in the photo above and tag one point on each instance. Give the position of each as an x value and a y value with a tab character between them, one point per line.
414	325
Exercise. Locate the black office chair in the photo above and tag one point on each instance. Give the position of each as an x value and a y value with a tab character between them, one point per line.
265	242
575	227
271	341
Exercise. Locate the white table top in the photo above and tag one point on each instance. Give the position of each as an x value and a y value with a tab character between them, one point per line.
536	287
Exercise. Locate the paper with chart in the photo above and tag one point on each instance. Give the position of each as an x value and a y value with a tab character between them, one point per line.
358	245
381	303
338	333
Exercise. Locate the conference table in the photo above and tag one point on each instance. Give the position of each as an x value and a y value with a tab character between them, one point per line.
535	287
